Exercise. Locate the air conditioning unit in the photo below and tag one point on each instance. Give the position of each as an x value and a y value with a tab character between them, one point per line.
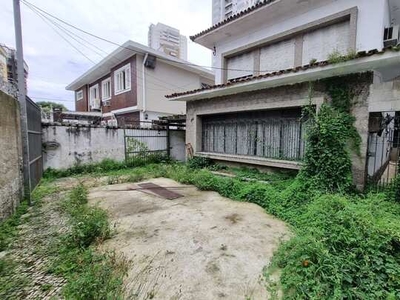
112	123
150	62
391	36
96	103
106	103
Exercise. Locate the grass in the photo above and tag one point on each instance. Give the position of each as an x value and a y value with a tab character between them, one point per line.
345	246
74	255
90	274
8	228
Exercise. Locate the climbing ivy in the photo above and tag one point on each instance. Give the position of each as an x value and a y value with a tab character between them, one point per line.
330	135
342	95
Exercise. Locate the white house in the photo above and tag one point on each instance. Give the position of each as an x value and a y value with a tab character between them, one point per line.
267	54
130	83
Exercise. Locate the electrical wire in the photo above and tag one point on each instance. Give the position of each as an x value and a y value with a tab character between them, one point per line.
121	46
66	40
139	77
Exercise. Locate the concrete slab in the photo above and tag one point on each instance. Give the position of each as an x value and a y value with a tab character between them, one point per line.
200	246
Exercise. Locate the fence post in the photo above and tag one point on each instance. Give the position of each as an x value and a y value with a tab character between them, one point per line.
168	141
126	158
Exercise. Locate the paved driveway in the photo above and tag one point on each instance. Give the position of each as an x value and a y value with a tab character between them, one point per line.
199	246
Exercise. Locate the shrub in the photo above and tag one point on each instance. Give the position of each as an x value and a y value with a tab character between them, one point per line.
344	250
89	226
393	191
199	162
327	164
99	277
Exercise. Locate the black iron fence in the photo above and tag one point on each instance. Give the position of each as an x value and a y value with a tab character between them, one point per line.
263	135
146	141
384	149
35	143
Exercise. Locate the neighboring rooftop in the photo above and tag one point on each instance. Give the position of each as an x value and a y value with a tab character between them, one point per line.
363	61
125	51
232	18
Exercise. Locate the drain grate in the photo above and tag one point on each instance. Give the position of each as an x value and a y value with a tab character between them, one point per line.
160	191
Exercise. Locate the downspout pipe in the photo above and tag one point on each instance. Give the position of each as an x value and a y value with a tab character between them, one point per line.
144	83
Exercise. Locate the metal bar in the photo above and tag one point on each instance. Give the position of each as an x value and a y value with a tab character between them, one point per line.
126	157
168	142
35	160
147	136
35	132
147	151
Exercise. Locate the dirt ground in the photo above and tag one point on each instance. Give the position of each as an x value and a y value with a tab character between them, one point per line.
200	246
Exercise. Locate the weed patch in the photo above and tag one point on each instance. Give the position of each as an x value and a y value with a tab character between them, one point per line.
89	274
8	228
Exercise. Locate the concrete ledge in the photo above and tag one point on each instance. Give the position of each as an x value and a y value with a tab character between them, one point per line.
253	160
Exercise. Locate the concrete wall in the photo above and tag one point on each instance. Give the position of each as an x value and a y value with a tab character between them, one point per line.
70	145
319	44
11	184
280	98
385	97
370	22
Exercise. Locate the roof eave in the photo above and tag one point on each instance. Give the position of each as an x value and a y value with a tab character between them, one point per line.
137	48
354	66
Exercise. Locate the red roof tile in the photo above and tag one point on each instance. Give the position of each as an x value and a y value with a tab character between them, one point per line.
360	54
233	17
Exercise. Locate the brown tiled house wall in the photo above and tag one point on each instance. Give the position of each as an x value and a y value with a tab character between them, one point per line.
123	100
82	105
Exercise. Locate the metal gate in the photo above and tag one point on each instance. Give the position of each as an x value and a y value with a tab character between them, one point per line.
35	143
384	148
146	142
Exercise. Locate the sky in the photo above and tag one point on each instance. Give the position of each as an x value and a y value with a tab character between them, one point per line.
53	63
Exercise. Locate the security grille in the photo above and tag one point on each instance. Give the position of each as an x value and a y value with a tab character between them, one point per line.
273	134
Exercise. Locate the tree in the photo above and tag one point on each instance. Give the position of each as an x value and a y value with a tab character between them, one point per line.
47	106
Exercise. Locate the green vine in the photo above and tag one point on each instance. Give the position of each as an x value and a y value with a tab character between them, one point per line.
330	132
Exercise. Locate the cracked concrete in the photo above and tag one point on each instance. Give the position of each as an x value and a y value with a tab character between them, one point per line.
200	246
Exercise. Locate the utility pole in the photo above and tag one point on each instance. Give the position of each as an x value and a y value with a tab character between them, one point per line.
22	100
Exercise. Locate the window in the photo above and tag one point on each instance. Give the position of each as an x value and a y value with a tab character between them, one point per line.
106	89
122	79
79	95
93	95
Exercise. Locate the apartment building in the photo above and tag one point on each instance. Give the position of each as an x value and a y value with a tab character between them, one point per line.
167	39
266	57
9	71
3	64
129	85
223	9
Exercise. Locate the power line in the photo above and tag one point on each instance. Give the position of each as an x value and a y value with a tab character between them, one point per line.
56	31
121	46
56	24
70	33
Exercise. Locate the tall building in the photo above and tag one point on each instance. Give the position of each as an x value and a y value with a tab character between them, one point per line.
8	66
3	64
223	9
168	40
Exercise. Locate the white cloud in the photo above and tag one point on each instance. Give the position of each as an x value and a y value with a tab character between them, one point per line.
53	63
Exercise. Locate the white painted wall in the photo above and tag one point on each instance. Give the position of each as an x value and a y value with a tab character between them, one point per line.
278	56
320	43
90	145
241	65
164	80
370	26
